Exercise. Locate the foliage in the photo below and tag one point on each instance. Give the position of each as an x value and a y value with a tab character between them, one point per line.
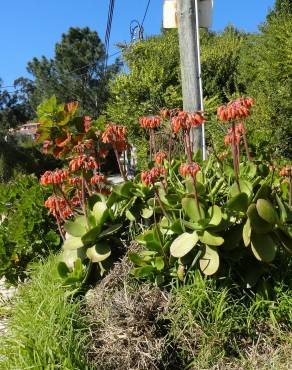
152	80
47	330
75	73
265	70
217	216
27	232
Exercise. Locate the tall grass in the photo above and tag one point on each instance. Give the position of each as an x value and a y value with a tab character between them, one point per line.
216	325
46	329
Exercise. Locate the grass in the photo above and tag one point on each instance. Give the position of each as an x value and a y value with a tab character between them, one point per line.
217	327
46	329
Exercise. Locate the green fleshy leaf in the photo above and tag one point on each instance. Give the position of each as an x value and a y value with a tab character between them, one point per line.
183	244
266	211
258	224
210	239
63	269
100	212
263	247
238	203
147	213
98	252
143	272
91	235
72	243
109	231
245	187
246	233
191	209
74	228
210	261
215	214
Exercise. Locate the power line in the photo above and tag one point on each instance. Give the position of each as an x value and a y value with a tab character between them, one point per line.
108	30
145	14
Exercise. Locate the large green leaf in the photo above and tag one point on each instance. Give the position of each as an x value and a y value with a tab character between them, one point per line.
263	247
266	211
72	243
143	272
209	238
245	187
283	211
215	214
258	224
98	252
210	261
109	231
183	244
238	202
74	228
71	256
100	212
246	233
191	209
92	235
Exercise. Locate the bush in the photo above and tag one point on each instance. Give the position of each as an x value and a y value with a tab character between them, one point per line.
27	231
46	330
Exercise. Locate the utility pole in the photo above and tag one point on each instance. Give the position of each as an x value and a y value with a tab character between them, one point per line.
189	44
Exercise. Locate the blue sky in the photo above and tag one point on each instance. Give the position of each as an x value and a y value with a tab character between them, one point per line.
30	28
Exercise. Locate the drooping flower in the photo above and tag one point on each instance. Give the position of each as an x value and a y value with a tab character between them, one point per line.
150	122
160	157
54	177
71	107
189	169
87	123
62	141
115	135
286	171
58	207
98	179
84	162
185	121
236	109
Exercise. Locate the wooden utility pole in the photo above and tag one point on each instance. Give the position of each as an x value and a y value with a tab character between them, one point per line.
189	43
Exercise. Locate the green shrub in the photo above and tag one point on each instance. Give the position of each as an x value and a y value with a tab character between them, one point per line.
27	231
47	330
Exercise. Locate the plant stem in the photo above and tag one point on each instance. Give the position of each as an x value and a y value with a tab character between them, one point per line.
246	147
188	146
161	204
153	140
235	157
196	196
290	190
122	171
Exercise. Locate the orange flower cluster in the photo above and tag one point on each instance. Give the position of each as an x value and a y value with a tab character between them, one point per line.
160	157
286	171
234	134
186	121
237	109
97	179
56	177
189	169
81	147
63	141
83	162
58	207
150	122
116	135
150	177
75	180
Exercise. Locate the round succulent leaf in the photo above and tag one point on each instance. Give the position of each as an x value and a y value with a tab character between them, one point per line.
72	243
74	228
258	224
81	220
98	252
147	213
191	209
100	212
246	233
239	202
263	247
91	235
210	261
109	231
209	238
70	256
266	211
215	215
130	216
183	244
245	187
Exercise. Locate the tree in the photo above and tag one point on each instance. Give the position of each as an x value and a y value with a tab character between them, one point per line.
75	73
266	71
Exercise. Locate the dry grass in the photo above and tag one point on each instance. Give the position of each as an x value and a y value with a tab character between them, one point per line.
126	334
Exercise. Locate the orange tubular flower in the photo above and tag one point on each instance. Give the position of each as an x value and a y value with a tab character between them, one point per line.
56	177
58	207
286	171
186	121
160	157
150	122
61	141
75	180
237	109
189	169
98	179
84	162
72	106
116	135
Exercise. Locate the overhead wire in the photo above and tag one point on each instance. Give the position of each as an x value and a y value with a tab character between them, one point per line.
146	12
